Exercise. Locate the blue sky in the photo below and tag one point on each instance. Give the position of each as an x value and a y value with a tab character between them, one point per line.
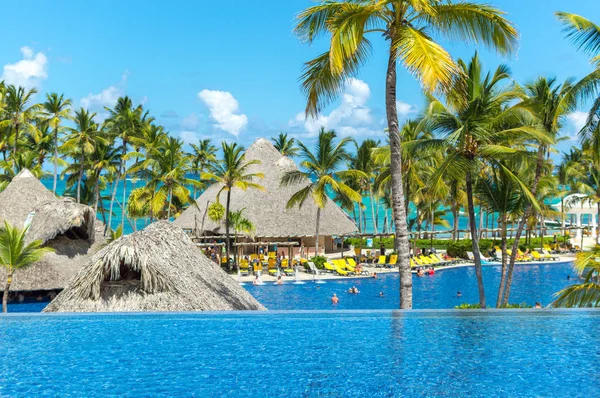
229	69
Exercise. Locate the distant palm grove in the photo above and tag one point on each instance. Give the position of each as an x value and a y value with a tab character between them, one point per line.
482	141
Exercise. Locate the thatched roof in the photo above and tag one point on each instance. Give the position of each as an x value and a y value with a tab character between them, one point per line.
267	209
71	229
24	194
156	269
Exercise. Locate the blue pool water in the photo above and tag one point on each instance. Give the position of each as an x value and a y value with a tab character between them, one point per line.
303	354
531	283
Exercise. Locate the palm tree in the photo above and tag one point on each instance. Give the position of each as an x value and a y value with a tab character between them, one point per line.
168	165
549	103
570	171
203	154
124	123
286	146
240	223
364	161
56	108
586	294
407	26
21	114
80	144
233	171
473	126
16	254
321	172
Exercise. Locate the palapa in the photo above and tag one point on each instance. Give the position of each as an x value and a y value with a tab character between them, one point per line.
267	209
156	269
71	229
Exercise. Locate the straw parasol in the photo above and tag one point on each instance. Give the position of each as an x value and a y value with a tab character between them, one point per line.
267	209
71	229
156	269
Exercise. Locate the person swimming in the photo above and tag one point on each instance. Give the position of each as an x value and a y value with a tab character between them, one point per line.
459	294
431	271
420	272
335	299
380	294
279	280
256	281
537	305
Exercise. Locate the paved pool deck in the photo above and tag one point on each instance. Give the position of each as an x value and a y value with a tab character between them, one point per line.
305	276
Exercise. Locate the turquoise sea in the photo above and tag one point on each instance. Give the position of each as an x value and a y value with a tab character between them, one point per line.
368	225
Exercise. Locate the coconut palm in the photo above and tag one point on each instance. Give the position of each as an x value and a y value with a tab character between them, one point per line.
321	171
240	223
587	293
203	154
364	161
549	103
286	146
124	123
80	143
17	254
473	129
232	171
408	27
56	108
21	114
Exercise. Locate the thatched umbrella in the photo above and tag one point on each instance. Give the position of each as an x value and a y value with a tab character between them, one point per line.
69	228
156	269
267	209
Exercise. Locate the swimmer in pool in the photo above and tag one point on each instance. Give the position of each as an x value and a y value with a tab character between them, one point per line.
335	299
459	294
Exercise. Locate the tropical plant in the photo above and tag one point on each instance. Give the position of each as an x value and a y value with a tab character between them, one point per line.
478	125
408	27
587	293
233	171
56	108
203	154
21	115
285	145
321	171
16	254
80	144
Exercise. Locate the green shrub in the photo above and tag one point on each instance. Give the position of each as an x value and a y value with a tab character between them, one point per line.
468	306
319	261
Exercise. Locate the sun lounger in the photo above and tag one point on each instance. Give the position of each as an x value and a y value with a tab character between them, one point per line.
381	262
314	270
393	261
537	256
244	267
340	271
549	256
272	267
329	267
287	270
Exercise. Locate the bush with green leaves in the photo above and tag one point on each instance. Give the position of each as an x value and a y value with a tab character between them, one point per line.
469	306
319	261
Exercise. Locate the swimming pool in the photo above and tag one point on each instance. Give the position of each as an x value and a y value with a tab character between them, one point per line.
349	353
531	283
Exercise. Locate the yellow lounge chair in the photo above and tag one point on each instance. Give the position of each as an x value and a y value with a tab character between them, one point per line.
393	261
258	267
412	263
381	262
244	267
272	267
537	256
329	267
340	271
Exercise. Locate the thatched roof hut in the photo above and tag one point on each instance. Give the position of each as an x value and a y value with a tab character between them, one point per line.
71	229
267	209
156	269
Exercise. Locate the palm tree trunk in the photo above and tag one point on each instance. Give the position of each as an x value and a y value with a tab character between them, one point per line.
79	180
504	262
454	222
317	231
6	290
401	244
374	220
14	154
475	240
597	225
480	222
513	256
54	184
124	174
96	192
360	230
112	202
227	226
170	200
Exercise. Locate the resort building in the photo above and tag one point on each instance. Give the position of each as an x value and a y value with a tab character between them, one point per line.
267	209
156	269
71	229
579	209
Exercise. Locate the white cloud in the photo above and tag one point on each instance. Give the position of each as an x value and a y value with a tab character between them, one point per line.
189	137
105	98
404	109
28	72
351	118
144	100
224	110
190	122
578	119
